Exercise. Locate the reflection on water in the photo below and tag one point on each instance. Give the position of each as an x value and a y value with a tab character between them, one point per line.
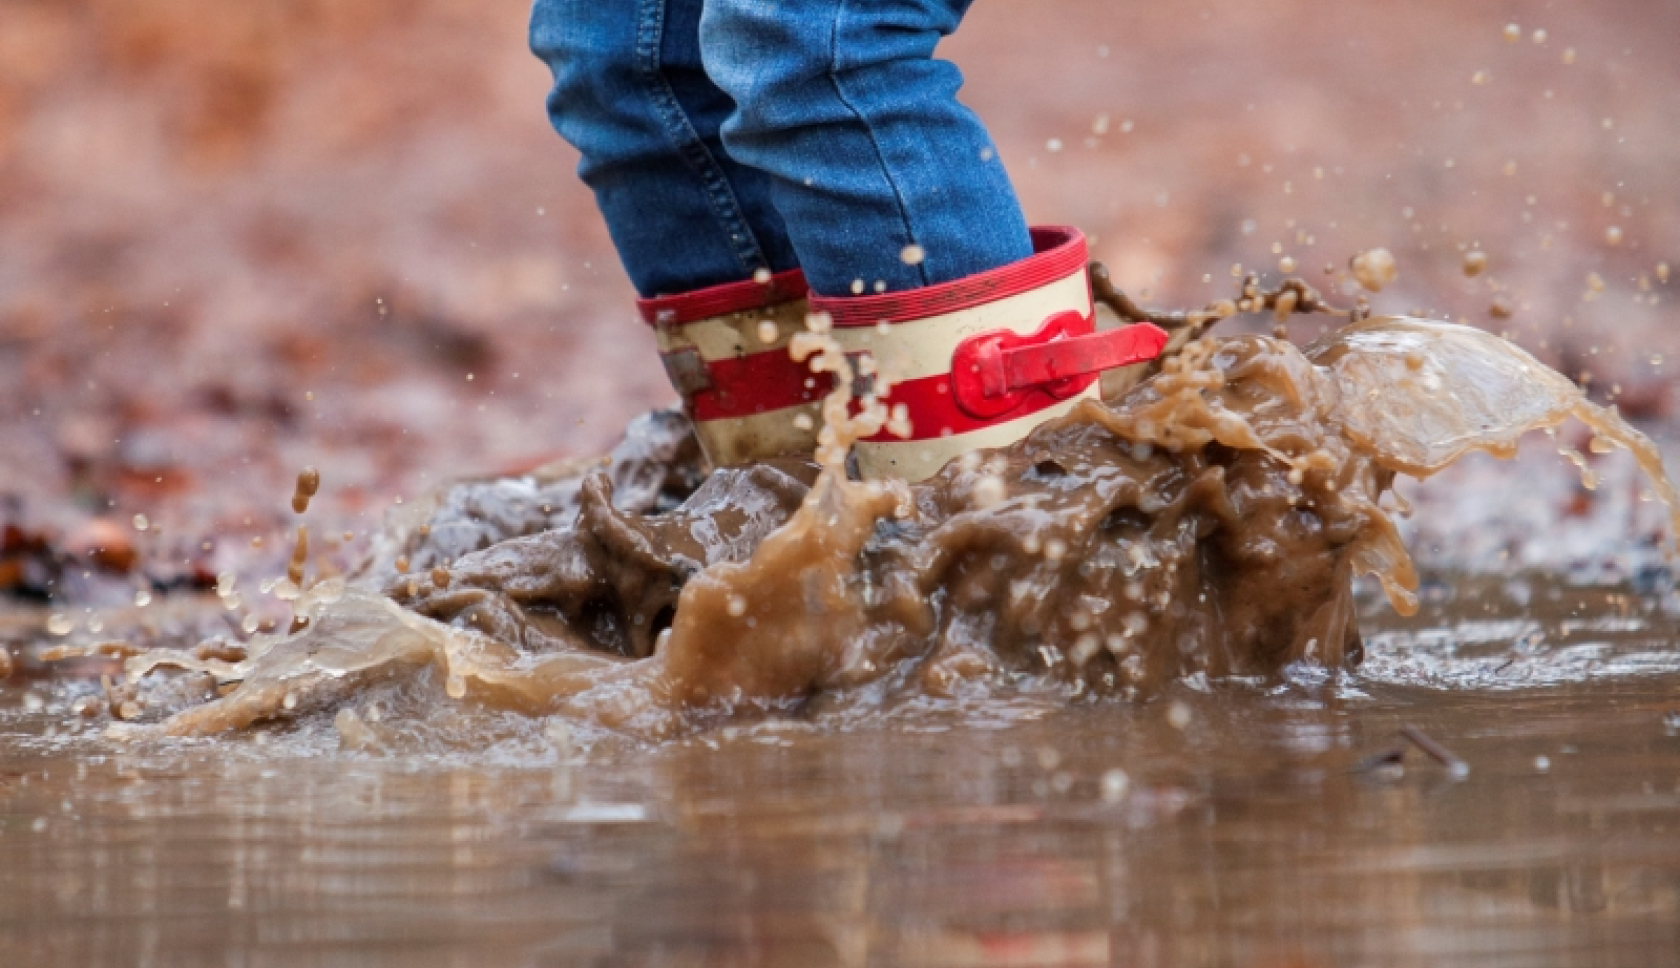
1239	829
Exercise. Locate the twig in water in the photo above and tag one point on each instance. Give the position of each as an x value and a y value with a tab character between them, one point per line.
1292	296
1435	751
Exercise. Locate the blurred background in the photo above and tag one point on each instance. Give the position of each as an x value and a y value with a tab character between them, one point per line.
238	238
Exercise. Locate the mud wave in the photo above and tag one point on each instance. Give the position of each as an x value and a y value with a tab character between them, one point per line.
1210	521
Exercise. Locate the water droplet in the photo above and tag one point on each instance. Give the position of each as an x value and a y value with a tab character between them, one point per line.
143	597
1375	269
1178	715
141	523
1474	262
1286	265
61	624
1613	235
1114	785
913	255
1513	33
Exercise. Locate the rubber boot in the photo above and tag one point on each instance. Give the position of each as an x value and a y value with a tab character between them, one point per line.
726	352
979	362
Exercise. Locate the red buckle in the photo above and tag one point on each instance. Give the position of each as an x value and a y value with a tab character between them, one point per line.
994	371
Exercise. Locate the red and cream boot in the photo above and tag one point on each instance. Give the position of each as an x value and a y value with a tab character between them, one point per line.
979	362
726	352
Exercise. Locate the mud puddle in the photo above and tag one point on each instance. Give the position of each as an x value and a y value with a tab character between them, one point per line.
1210	523
1117	695
1228	823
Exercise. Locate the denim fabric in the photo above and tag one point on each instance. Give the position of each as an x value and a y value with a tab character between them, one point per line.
724	136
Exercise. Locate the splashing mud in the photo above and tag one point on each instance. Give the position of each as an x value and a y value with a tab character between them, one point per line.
1209	521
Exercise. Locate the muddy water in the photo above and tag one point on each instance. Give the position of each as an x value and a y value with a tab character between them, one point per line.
1209	523
1116	695
1244	827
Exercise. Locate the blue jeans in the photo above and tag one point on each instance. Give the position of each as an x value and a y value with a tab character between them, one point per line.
726	136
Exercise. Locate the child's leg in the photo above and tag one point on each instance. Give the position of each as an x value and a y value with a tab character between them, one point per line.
869	152
631	96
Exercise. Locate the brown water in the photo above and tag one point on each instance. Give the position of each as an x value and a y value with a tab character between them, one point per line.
1244	832
1111	696
1210	522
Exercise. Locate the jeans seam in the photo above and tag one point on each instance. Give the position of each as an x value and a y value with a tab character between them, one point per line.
680	130
869	130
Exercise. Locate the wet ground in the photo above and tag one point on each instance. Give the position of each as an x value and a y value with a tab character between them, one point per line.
1243	823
